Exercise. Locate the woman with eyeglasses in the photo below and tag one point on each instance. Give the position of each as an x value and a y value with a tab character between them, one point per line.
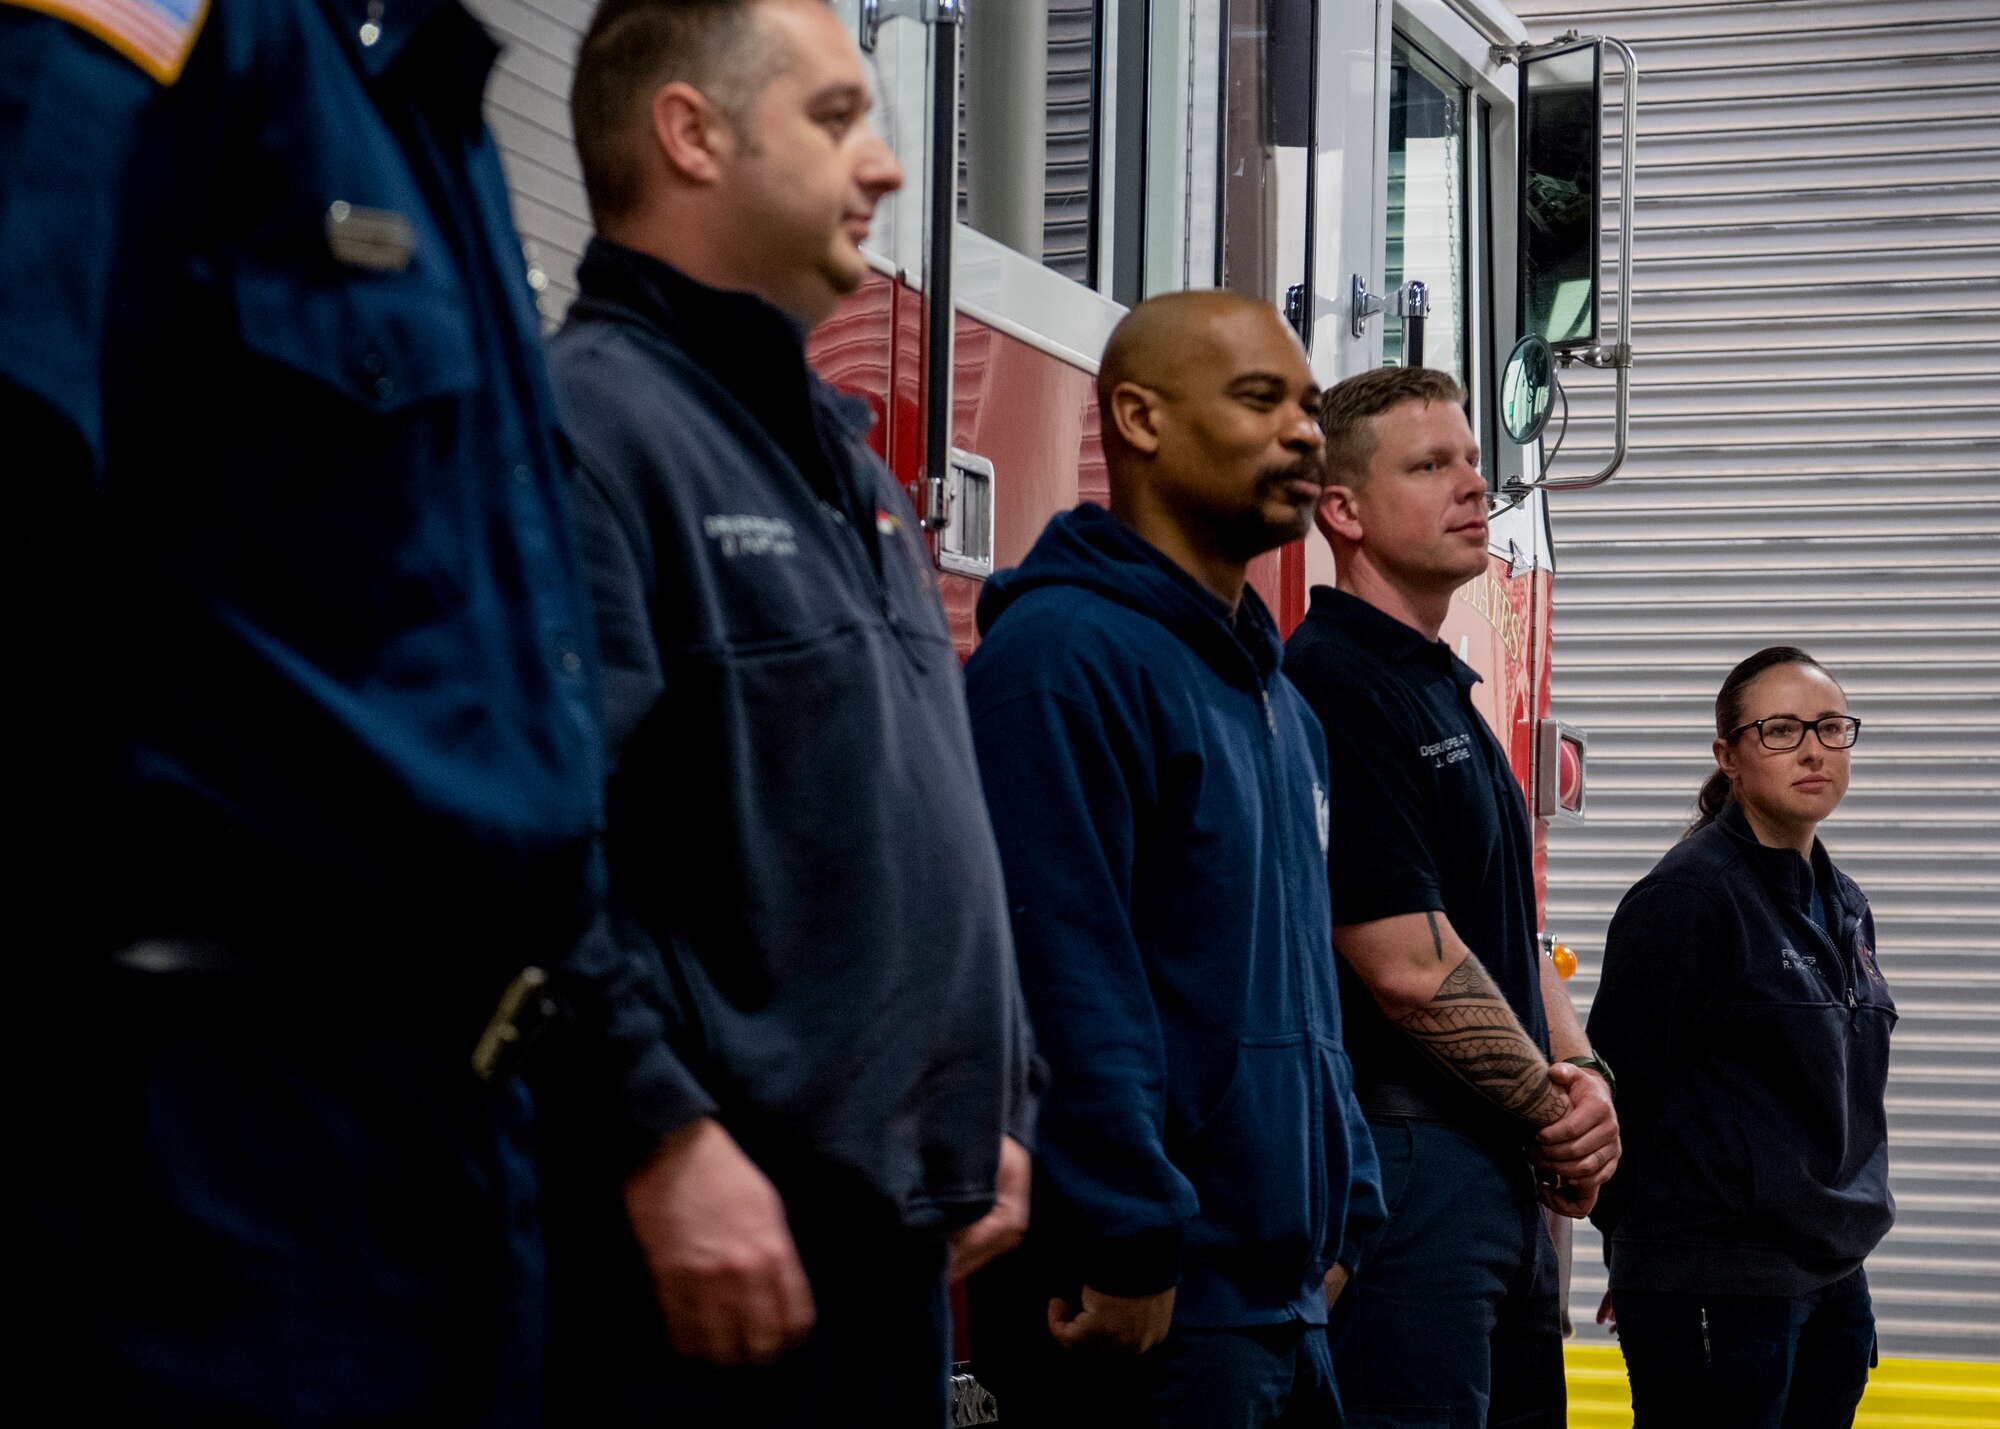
1748	1023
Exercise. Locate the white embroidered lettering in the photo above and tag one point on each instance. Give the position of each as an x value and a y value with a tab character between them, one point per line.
1447	751
751	535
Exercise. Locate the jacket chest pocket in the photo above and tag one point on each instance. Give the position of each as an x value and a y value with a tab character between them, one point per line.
1795	970
764	580
356	455
1800	1046
375	343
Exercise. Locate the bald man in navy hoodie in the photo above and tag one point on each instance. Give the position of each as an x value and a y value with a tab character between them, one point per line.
1205	1180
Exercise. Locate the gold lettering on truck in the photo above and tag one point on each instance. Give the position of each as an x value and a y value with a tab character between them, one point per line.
1488	596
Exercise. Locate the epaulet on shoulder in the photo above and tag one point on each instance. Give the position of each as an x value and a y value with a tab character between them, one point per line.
156	35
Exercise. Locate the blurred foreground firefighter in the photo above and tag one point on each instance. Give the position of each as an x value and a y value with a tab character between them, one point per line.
312	765
1468	1058
798	847
1159	791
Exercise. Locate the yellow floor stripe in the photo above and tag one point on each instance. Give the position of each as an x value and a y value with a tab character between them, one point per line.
1902	1394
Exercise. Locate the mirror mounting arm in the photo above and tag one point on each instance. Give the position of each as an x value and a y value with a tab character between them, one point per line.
1521	53
1619	354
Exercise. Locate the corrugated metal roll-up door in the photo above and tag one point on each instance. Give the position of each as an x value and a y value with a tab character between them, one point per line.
1816	461
527	105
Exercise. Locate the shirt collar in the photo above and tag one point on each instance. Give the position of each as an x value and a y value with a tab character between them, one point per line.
1788	874
699	317
752	346
1386	635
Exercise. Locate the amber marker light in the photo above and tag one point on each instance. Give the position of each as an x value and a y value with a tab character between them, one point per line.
1564	959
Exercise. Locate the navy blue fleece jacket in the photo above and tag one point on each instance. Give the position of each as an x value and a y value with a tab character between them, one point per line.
1159	793
1751	1040
785	728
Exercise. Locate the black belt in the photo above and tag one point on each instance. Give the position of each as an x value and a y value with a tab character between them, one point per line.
1459	1110
1402	1099
513	1022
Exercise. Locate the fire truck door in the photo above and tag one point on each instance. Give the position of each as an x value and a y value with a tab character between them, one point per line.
1445	139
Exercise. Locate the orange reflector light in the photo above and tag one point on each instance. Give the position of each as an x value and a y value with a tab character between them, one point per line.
1564	960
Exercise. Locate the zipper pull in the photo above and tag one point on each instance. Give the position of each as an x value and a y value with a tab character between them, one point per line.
1270	715
1850	999
1706	1352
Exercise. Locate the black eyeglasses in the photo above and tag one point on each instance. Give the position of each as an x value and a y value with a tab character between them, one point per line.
1787	732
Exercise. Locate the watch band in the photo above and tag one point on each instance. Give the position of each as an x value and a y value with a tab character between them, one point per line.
1591	1062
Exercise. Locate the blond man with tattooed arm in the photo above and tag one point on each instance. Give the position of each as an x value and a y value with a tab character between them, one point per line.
1470	1064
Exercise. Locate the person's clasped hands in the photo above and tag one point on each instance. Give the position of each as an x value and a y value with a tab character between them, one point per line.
1581	1147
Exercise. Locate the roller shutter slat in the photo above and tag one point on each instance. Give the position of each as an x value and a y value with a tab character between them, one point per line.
1642	22
1816	460
527	106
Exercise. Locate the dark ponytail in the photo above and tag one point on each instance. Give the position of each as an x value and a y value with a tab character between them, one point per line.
1714	794
1709	799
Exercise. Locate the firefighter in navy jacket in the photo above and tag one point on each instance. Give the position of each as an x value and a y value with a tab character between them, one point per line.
312	758
1745	1011
1159	792
801	863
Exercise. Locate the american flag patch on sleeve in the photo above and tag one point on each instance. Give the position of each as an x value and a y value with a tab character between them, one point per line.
155	35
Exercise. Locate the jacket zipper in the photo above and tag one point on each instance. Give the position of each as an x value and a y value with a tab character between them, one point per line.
876	573
1322	1223
1839	961
1707	1353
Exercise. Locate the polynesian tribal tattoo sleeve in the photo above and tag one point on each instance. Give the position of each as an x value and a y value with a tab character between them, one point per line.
1470	1029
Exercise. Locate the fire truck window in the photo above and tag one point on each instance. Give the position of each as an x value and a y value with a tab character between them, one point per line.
1183	177
1267	137
1028	129
1427	206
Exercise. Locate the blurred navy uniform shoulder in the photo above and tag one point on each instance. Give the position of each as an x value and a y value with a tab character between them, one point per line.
311	616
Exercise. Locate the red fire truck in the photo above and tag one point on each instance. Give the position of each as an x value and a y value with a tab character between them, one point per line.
1409	181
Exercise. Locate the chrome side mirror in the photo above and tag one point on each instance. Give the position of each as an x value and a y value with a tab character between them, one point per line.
1527	389
1562	147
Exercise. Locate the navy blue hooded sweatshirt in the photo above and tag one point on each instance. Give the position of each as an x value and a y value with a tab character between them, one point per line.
1158	789
1751	1041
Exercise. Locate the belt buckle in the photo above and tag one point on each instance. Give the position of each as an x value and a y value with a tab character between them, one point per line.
518	1018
